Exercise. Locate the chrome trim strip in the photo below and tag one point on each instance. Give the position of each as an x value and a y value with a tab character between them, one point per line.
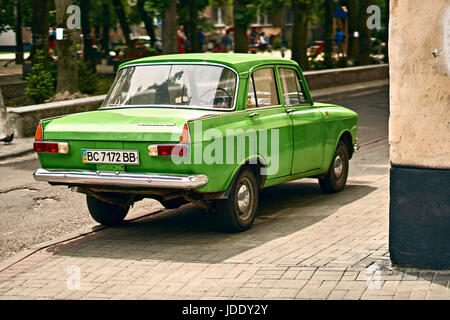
126	179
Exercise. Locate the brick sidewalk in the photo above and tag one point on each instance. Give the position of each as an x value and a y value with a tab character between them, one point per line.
304	245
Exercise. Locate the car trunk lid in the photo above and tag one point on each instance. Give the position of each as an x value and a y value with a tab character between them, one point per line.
123	124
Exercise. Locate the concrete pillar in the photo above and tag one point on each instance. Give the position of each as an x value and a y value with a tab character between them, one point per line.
419	133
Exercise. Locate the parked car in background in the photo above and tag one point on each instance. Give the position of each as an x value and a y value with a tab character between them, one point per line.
211	129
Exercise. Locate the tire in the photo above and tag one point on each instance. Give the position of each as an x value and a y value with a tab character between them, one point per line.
336	177
106	213
173	203
235	215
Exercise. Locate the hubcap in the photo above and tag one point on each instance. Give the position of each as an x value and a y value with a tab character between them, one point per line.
243	198
338	166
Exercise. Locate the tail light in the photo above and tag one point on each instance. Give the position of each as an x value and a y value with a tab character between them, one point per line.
180	149
51	147
38	135
185	137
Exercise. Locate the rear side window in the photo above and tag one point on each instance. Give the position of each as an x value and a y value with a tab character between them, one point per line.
292	89
262	90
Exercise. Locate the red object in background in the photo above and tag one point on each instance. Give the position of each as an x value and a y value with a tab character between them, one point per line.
319	46
180	45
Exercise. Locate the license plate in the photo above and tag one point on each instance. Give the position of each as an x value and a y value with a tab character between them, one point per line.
128	157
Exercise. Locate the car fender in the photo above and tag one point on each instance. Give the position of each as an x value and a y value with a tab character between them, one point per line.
256	159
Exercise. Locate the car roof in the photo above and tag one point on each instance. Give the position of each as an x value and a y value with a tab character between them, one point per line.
241	62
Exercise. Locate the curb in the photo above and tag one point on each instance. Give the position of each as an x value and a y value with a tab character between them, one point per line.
345	92
16	154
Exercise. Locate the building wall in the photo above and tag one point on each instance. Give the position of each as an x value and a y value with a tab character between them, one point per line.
420	83
419	133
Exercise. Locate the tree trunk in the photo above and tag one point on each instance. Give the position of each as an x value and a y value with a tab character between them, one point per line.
353	18
41	9
4	130
148	21
169	28
67	79
106	25
193	25
18	30
120	13
364	39
88	52
328	34
240	29
386	48
300	11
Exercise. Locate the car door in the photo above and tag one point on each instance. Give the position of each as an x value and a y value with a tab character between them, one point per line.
308	122
269	118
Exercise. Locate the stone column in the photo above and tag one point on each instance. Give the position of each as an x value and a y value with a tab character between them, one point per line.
419	133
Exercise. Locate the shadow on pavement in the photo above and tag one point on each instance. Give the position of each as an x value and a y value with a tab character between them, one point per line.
189	234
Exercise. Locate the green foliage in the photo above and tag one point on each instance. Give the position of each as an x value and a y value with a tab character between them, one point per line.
7	21
103	85
87	78
276	44
246	12
40	83
6	15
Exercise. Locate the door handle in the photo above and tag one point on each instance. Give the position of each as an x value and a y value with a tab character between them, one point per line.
251	115
290	110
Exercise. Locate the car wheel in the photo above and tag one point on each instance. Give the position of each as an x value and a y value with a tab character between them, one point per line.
106	213
336	177
238	211
173	203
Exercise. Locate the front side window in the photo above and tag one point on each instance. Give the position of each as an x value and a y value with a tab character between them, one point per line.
262	85
189	85
292	90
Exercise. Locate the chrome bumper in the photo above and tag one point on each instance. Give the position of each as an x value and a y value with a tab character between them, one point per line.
120	179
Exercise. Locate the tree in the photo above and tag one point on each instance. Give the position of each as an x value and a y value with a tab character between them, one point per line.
18	30
124	25
244	12
364	39
188	15
328	34
147	18
106	25
300	9
386	48
169	28
6	15
40	25
88	52
353	27
67	79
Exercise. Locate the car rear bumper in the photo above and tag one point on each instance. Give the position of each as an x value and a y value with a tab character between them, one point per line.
125	179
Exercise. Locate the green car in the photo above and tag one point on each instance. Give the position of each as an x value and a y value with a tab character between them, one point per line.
210	129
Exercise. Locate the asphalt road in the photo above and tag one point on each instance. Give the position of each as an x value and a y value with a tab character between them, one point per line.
34	212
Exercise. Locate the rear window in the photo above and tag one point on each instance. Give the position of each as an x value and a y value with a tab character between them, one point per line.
187	85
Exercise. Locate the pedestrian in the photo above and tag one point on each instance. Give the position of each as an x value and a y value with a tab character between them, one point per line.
201	40
339	40
226	42
181	39
52	40
253	39
262	42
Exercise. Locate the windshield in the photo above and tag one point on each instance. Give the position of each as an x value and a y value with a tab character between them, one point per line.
189	85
